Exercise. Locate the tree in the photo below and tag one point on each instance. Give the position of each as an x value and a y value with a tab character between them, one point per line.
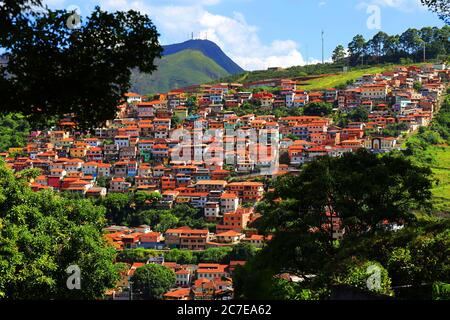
376	47
216	255
318	109
365	275
441	7
338	54
357	49
118	207
14	130
151	281
411	42
175	121
361	188
243	251
136	255
39	242
284	157
180	256
103	181
143	199
359	114
166	221
55	69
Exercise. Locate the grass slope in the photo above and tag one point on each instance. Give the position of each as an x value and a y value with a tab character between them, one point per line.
328	75
441	170
340	79
178	70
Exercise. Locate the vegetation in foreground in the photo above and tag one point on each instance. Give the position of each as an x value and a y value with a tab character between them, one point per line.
431	147
42	234
365	191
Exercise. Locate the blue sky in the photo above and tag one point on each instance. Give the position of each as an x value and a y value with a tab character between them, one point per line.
264	33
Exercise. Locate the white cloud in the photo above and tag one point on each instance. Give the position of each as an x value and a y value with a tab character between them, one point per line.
233	34
402	5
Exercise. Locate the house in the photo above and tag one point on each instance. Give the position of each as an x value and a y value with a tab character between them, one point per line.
229	202
96	192
211	271
212	211
257	240
186	238
209	185
151	240
133	97
178	294
90	168
103	169
374	91
229	237
131	240
183	277
247	191
119	185
122	141
236	221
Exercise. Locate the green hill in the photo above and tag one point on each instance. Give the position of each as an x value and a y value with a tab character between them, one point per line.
178	70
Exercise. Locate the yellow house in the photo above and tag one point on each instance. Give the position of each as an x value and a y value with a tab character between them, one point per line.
58	136
78	152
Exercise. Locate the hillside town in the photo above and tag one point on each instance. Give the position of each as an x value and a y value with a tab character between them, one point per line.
192	146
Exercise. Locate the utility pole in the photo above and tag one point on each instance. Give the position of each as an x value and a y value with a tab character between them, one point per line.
323	52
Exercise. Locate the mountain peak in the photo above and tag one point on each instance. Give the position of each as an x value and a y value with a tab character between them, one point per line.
209	49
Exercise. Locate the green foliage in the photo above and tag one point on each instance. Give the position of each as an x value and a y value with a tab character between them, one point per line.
42	234
139	208
394	129
361	188
338	54
243	252
359	114
318	109
441	291
151	281
55	70
429	147
215	255
14	130
291	72
180	256
441	7
417	86
403	48
103	181
136	255
224	255
363	275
